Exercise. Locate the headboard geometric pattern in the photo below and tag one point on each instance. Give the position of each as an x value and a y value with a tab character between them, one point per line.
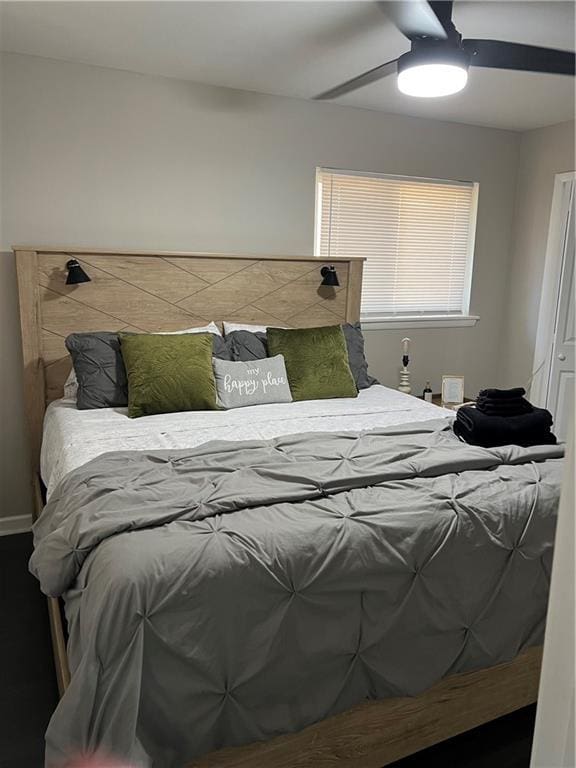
162	291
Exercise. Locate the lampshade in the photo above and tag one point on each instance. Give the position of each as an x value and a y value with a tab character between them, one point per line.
329	276
432	80
75	273
432	70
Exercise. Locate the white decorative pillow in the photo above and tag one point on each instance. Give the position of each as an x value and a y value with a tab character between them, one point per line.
71	383
254	383
210	328
71	386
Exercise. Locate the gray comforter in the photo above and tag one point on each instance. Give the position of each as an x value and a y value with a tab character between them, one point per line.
236	591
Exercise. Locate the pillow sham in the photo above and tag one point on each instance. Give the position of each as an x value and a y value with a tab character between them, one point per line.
168	373
99	376
210	328
99	369
255	383
356	356
71	386
247	345
316	361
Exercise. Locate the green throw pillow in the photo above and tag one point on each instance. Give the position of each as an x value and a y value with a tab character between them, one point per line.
168	373
316	361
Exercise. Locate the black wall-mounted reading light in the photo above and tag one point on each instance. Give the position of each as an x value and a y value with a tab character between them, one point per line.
329	276
75	273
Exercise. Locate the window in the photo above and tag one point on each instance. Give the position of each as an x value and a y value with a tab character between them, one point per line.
417	236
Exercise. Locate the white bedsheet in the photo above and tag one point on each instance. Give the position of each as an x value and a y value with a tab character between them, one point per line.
73	437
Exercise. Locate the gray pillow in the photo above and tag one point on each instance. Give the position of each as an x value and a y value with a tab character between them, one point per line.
251	383
247	345
356	358
100	371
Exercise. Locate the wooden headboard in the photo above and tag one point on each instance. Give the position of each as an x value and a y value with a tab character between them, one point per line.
161	291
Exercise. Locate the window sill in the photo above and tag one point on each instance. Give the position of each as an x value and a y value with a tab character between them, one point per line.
418	321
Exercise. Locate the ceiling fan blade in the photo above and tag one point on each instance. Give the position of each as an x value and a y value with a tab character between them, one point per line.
497	54
383	70
414	18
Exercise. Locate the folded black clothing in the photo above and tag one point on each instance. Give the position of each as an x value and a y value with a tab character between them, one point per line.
540	418
512	407
488	430
502	402
504	413
474	438
505	405
502	394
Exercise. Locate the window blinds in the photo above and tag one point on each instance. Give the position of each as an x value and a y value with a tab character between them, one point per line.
417	236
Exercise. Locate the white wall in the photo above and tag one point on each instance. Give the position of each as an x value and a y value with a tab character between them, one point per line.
543	153
106	158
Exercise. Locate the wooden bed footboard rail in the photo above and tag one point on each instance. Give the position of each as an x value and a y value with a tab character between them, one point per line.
377	733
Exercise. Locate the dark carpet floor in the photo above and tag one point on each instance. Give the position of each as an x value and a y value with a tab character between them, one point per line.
28	691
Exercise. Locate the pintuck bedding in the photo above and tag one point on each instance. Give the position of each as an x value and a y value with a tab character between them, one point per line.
220	592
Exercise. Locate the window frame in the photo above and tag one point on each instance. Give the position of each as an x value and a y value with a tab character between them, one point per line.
453	319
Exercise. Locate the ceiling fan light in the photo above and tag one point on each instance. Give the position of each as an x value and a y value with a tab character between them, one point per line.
432	80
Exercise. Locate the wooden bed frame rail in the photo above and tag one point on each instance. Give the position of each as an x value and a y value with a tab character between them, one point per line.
377	733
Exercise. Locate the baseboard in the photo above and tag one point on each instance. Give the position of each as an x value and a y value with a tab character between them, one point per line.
15	524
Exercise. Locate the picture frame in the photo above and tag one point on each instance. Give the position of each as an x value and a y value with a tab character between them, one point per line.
452	389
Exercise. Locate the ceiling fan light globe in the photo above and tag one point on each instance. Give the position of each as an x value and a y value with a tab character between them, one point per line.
432	80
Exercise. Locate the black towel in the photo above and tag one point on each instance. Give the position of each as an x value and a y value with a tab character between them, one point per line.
502	394
509	407
473	438
539	419
479	428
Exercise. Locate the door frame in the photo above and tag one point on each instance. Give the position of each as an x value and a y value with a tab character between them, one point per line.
551	281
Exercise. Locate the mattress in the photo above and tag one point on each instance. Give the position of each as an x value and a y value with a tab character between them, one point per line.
72	437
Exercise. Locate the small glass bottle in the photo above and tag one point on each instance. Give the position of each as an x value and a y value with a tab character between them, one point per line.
427	394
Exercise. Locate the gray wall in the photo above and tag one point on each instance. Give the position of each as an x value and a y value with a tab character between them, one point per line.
543	153
106	158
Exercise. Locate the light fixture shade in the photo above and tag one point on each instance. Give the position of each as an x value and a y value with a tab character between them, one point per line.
433	70
75	273
329	276
432	80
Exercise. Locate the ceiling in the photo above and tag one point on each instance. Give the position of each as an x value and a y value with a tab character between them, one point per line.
300	49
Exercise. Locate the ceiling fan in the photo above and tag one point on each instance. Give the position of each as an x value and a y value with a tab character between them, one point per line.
438	60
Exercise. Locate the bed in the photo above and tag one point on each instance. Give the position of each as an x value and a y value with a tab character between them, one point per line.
364	585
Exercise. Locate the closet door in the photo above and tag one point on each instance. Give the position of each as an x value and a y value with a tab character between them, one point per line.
560	399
